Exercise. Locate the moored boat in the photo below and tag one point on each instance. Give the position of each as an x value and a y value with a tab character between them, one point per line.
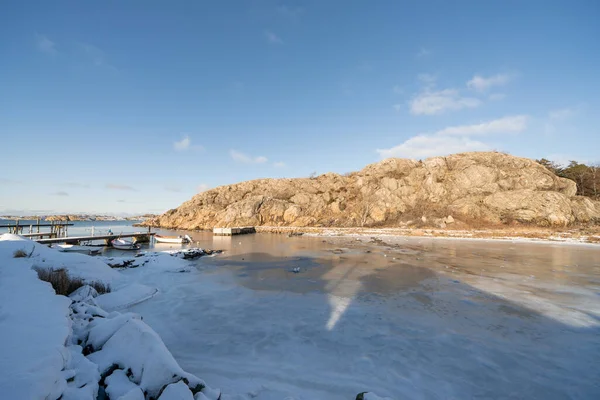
123	244
173	239
77	249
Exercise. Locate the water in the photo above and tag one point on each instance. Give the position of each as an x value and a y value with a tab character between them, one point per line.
80	228
405	317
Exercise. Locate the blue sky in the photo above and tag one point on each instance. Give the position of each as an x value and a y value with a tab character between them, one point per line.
127	107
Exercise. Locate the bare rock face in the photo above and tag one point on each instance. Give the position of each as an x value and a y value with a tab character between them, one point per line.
489	187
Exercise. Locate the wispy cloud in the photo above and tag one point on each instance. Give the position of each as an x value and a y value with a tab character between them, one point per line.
183	144
559	117
455	139
563	114
60	193
398	89
290	11
186	144
512	124
428	80
121	201
45	45
6	181
424	146
279	164
76	185
482	84
423	52
244	158
497	96
115	186
272	38
431	102
203	187
173	188
96	56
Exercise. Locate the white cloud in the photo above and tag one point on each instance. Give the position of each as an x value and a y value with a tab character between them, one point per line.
431	102
183	144
244	158
562	114
423	52
279	164
261	160
203	187
273	38
96	56
398	107
512	124
454	139
424	146
45	45
481	84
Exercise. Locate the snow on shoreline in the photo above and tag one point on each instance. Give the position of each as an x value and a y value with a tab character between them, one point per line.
55	347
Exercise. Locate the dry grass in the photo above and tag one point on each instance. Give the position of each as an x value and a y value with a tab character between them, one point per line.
19	254
64	285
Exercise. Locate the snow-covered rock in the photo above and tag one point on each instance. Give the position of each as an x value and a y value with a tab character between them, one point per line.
176	391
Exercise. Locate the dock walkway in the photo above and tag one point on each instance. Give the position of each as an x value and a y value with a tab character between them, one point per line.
138	237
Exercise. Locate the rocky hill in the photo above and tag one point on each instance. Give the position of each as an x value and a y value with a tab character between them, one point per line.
480	188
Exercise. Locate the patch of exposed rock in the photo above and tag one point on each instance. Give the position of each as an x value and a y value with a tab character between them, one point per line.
486	187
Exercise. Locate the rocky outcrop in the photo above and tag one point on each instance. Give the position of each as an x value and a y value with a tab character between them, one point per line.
484	187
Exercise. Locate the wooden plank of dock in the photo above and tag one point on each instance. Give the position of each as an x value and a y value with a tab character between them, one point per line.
107	238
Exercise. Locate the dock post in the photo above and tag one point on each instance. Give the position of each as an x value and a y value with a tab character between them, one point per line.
38	225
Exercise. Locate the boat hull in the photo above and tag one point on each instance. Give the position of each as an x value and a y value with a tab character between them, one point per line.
172	240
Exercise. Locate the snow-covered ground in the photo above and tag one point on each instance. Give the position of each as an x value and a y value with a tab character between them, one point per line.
54	347
405	319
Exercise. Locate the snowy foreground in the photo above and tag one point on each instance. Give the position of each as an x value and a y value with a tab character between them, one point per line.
54	347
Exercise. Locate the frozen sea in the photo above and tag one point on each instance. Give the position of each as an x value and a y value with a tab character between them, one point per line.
406	318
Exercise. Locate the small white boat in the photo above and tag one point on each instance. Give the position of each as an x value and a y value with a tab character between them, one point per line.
173	239
77	249
122	244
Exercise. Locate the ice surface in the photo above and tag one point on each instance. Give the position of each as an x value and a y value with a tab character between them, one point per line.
434	319
125	296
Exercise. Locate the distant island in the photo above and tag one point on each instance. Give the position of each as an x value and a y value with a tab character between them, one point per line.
79	217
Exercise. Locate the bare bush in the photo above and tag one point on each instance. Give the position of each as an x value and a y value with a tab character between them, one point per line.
64	285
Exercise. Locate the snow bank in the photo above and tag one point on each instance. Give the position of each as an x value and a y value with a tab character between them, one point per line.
71	348
90	269
34	325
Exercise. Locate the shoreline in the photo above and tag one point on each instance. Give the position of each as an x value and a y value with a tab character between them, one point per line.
576	236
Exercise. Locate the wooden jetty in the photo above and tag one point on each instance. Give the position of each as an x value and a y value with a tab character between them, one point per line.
138	237
233	231
57	228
